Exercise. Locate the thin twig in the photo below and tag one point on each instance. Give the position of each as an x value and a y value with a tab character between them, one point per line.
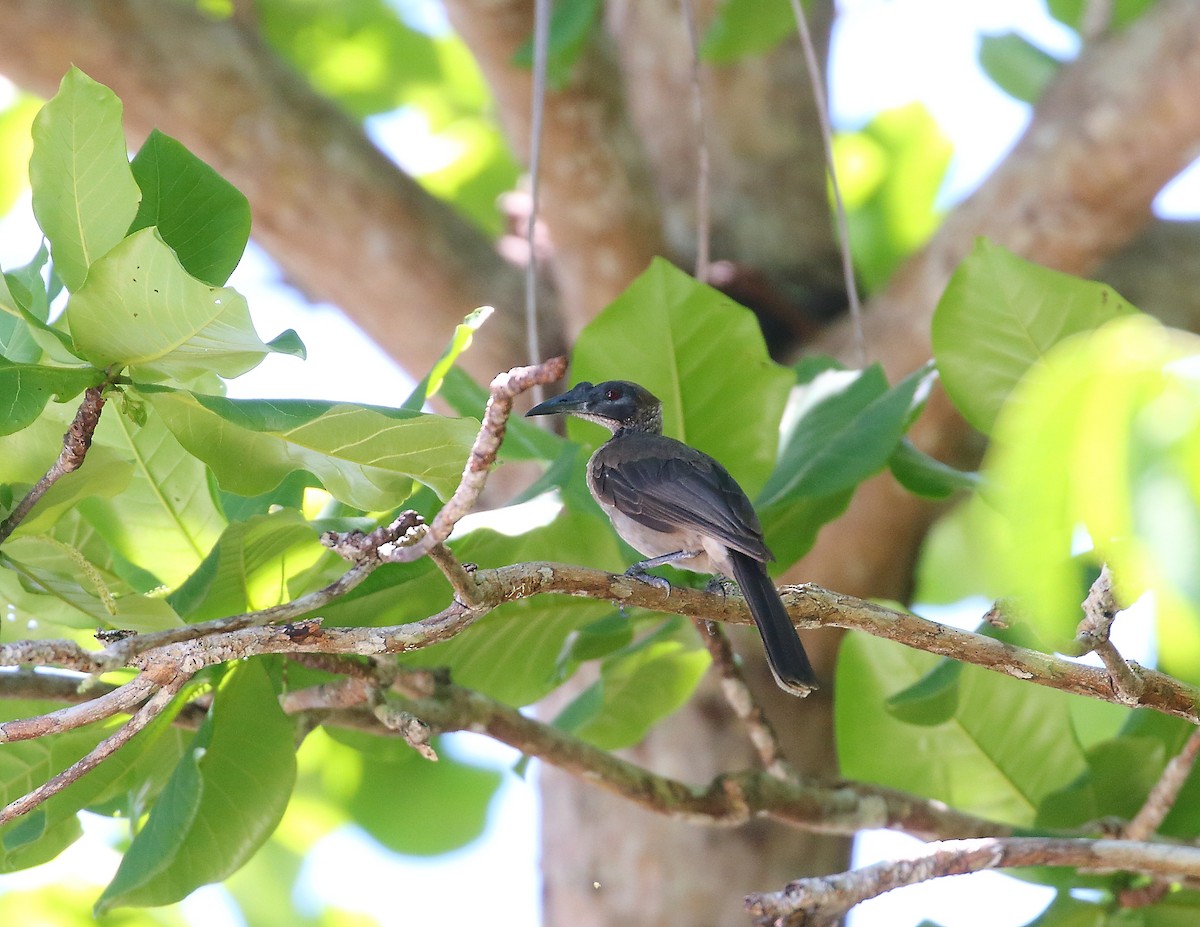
102	751
76	442
1096	19
703	217
1100	609
541	36
466	590
741	699
103	706
843	225
824	900
1166	790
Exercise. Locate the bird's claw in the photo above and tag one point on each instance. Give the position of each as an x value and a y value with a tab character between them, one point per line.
649	578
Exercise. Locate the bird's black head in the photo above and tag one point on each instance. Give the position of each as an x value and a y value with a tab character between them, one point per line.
618	405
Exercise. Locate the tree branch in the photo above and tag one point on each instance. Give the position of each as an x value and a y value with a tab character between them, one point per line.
1166	791
599	203
817	902
76	442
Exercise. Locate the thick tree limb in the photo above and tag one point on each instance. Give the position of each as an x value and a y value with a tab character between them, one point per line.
597	198
345	223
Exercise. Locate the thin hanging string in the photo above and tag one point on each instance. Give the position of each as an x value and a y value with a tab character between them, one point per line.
843	228
703	212
541	33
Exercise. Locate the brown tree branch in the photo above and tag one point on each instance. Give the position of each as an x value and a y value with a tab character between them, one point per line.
819	902
121	736
598	200
344	222
1166	791
745	708
76	442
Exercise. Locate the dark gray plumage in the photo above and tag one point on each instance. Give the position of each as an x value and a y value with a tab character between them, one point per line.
677	505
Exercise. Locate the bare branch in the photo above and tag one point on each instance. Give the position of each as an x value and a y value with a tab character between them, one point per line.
143	716
823	901
1166	791
122	698
741	699
837	807
76	442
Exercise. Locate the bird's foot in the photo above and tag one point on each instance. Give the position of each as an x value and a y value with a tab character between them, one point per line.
637	571
722	585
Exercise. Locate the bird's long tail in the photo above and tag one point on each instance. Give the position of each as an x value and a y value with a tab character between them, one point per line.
785	653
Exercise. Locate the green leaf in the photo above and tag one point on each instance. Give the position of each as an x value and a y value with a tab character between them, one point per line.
1006	746
253	567
166	520
16	122
927	476
514	654
17	342
1017	66
703	355
571	26
1071	12
891	172
29	387
791	527
747	27
141	309
931	700
201	215
843	429
638	687
224	799
998	316
1108	425
365	456
399	795
59	585
459	342
84	195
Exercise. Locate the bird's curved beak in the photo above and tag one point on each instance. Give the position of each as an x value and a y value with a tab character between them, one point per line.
572	400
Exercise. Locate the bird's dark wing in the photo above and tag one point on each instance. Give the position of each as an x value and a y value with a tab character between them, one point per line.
664	484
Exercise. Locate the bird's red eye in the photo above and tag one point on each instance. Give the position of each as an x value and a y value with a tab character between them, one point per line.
612	394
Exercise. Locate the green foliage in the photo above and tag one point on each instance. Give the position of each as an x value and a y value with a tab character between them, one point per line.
1017	66
747	27
84	194
890	173
572	25
1071	12
998	315
223	800
203	217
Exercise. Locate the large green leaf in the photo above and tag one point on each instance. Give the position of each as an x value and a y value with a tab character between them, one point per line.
999	315
26	388
57	584
224	799
1003	749
252	567
703	355
638	687
394	780
464	332
141	309
202	216
515	653
166	520
366	456
1104	436
84	194
844	428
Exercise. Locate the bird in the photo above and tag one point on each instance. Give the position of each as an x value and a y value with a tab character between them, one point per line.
677	505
